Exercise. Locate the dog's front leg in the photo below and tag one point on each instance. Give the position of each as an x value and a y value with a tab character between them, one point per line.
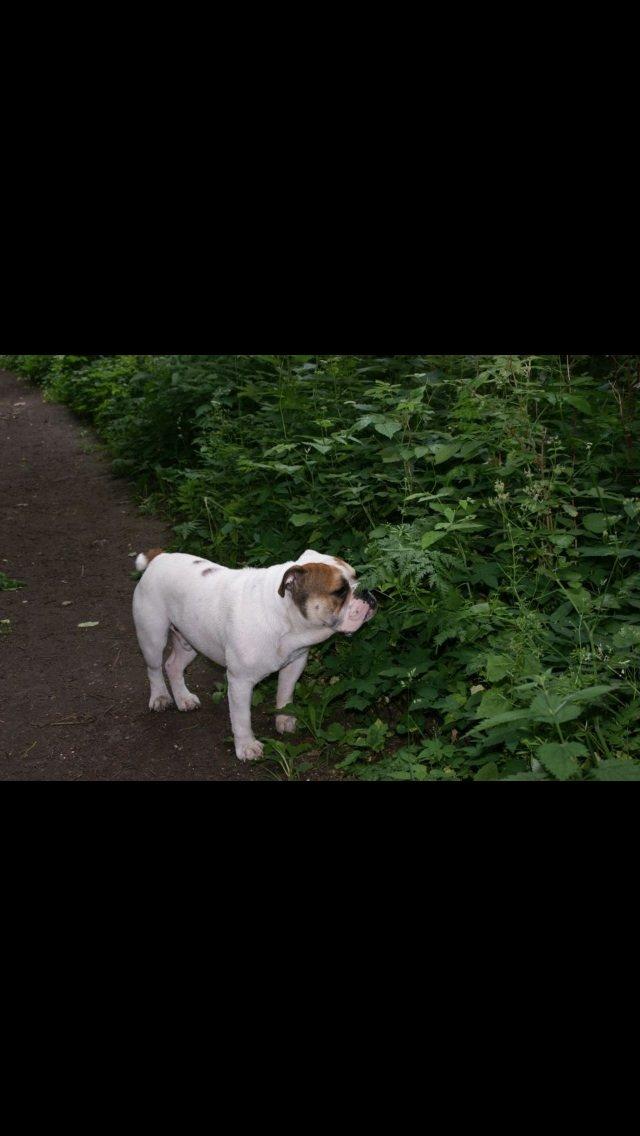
240	692
286	686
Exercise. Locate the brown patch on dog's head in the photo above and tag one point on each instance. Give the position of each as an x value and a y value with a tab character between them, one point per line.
318	590
153	552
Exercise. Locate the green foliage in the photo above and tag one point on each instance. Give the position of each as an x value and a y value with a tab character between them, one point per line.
492	501
9	585
95	389
39	368
35	367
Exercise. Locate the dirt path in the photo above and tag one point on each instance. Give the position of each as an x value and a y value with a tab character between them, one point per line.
73	702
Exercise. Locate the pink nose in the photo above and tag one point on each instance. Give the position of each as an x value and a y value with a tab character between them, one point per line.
358	613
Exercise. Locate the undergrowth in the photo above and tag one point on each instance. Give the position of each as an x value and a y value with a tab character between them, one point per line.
492	501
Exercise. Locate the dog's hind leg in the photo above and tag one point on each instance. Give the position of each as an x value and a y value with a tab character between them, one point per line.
182	653
152	631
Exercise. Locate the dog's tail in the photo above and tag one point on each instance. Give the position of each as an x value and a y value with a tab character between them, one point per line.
144	559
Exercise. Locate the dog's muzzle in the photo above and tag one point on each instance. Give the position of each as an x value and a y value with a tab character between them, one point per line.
362	608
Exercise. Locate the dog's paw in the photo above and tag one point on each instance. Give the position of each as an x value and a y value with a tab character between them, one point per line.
189	702
285	724
250	751
160	702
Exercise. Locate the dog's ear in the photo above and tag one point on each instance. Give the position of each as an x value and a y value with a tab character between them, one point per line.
291	580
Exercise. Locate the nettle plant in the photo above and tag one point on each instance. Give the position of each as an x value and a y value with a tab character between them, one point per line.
533	623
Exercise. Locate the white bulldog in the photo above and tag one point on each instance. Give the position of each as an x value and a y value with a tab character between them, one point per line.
253	621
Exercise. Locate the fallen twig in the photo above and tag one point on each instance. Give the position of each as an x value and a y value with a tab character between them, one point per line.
74	720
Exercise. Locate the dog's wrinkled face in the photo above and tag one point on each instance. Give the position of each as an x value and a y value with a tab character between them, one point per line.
324	593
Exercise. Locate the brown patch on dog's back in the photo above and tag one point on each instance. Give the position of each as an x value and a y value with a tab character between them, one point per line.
208	571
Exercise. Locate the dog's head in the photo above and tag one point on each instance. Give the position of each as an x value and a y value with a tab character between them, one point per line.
325	591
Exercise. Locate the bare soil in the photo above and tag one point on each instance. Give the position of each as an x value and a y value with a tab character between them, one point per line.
74	701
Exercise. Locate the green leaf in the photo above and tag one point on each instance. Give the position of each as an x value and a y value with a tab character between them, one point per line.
492	704
498	666
616	770
489	575
430	538
487	773
596	522
581	599
557	761
579	402
355	702
9	585
444	453
556	714
609	550
302	519
388	426
424	699
560	759
525	777
376	734
502	719
335	733
628	636
588	694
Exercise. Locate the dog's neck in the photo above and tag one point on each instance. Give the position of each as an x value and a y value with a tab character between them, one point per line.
297	640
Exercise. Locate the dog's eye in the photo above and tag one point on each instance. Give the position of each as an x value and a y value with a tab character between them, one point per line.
342	591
